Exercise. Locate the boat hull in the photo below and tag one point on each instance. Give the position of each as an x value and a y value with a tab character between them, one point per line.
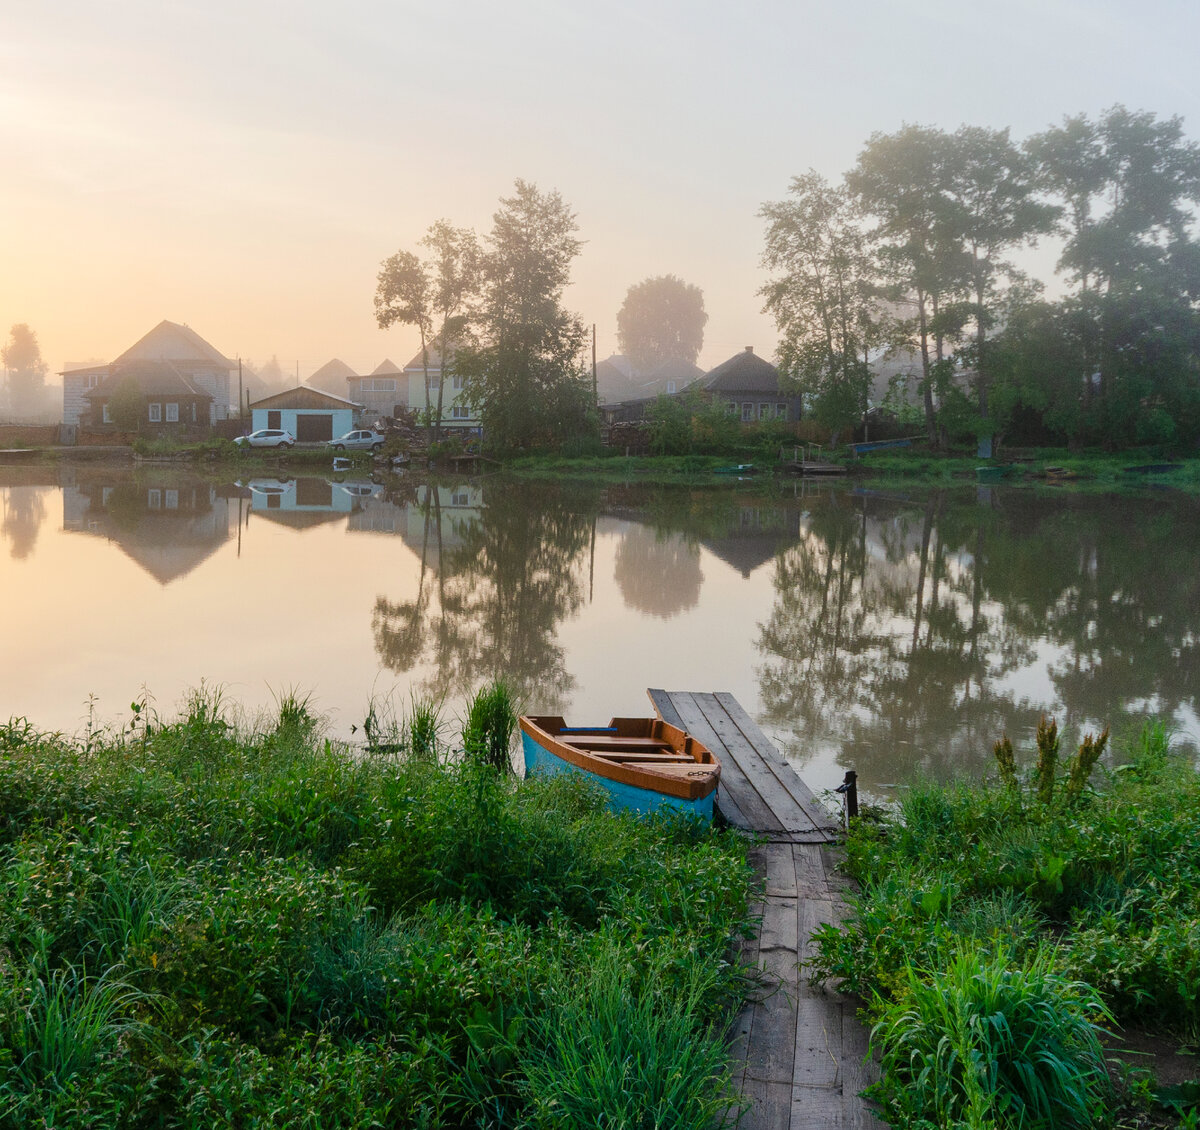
546	755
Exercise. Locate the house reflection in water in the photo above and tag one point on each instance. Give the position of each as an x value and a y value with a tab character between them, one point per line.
168	523
307	501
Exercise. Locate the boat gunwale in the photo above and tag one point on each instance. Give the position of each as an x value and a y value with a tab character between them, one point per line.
639	777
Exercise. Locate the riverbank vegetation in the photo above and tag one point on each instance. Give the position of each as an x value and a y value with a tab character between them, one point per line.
204	926
1001	928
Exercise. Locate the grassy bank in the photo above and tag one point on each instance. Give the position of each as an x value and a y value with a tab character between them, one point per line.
206	928
1001	927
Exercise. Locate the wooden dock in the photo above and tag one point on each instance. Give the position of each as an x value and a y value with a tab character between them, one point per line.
798	1051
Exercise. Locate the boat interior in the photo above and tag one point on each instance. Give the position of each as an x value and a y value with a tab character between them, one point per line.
649	742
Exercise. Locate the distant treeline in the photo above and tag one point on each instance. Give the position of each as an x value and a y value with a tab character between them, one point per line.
910	257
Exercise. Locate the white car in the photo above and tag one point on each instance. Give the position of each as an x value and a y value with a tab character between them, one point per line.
266	437
361	440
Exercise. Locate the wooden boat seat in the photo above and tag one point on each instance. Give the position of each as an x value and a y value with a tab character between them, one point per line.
604	741
650	758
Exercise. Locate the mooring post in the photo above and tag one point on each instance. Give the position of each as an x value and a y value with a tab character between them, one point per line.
849	790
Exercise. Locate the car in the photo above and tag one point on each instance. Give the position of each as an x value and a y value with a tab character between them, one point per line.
361	440
266	437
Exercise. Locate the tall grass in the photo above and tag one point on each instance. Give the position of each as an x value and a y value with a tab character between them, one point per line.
488	730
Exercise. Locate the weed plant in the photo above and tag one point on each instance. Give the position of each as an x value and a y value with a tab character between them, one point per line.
202	927
1024	911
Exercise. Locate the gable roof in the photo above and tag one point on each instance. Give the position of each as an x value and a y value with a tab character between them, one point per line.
743	372
676	369
386	367
435	359
154	378
304	397
331	376
170	341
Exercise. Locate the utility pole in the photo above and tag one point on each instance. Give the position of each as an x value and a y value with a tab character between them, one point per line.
239	388
595	383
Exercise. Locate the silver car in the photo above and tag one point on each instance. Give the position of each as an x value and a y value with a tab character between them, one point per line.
266	437
361	440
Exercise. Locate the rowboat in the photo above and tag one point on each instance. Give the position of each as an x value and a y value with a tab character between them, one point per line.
645	764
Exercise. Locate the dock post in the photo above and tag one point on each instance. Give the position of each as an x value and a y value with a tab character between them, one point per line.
849	790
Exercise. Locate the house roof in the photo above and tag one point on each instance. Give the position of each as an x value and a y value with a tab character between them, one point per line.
170	341
743	372
435	359
676	369
304	397
385	368
154	378
331	377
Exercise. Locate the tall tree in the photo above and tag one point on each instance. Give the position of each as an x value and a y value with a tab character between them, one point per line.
22	358
525	373
660	319
403	294
900	179
991	208
825	300
455	269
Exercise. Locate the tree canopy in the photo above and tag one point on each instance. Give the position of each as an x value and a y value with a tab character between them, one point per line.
524	371
22	357
661	319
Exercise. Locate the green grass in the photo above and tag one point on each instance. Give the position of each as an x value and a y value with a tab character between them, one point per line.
201	926
1011	917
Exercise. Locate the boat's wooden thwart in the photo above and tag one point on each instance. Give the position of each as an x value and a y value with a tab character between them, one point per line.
644	763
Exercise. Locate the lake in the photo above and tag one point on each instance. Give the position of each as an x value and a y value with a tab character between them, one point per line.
885	630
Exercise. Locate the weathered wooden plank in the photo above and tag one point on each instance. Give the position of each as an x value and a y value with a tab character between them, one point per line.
775	760
751	760
811	879
770	1105
734	780
813	913
777	943
814	1108
665	708
778	862
858	1071
818	1039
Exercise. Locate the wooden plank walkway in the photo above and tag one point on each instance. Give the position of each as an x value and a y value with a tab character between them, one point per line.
799	1052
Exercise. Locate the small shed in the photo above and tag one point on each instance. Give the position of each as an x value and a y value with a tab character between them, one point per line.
310	415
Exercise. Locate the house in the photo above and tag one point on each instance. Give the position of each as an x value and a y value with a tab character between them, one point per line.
202	366
749	387
383	393
456	412
614	380
671	376
171	402
310	415
332	377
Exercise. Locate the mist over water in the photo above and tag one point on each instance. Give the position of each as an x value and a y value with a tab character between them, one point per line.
888	631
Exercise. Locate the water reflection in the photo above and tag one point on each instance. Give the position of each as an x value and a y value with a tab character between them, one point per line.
913	633
494	585
862	628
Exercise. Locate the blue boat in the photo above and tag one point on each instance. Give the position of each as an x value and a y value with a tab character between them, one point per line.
645	764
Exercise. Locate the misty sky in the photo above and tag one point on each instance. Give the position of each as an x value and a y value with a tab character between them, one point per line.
244	167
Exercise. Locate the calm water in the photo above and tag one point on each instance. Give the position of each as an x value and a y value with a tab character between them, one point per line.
885	631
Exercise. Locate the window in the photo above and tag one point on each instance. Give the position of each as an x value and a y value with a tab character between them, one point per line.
154	499
670	387
747	411
172	413
171	499
93	380
731	407
460	499
106	415
781	411
460	412
156	413
456	383
379	384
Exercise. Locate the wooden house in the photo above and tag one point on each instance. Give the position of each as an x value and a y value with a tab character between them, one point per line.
171	401
383	393
749	387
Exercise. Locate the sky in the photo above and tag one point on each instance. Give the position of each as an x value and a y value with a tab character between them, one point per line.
244	168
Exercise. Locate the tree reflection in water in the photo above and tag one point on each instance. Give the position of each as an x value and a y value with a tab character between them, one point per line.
506	575
904	632
22	510
658	572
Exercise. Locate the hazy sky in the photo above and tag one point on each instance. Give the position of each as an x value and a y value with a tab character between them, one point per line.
244	167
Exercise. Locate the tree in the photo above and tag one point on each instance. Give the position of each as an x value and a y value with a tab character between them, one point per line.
991	209
455	268
525	374
826	299
403	294
127	405
22	357
660	319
